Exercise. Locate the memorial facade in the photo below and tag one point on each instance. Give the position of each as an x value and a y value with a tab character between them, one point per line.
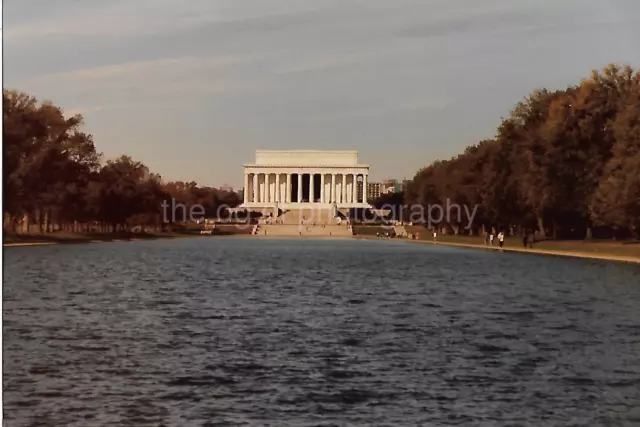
305	179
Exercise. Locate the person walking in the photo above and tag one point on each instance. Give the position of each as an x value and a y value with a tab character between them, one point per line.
525	239
501	239
491	239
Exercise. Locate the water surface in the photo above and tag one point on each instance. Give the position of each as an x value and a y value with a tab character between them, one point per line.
267	332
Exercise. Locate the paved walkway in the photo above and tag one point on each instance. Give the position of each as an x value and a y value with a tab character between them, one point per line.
573	254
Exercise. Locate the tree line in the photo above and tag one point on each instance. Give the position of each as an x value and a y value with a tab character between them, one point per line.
55	179
564	163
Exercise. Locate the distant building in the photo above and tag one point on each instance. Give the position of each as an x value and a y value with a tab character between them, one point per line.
293	179
389	186
378	189
373	190
226	188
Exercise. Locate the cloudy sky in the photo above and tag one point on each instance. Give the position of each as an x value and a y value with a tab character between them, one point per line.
193	87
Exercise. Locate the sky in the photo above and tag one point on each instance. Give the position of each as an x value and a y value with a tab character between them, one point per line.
193	87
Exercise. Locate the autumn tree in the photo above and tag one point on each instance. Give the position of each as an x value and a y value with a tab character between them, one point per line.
616	201
561	160
48	158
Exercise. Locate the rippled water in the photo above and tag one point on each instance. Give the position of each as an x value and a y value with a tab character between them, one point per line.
234	331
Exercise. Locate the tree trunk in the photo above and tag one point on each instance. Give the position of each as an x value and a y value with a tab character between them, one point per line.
40	220
25	223
589	235
541	229
46	221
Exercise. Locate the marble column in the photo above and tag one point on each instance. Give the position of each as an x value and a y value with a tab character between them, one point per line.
333	188
277	195
355	188
347	193
272	193
350	195
312	196
267	179
322	195
364	188
245	192
255	188
343	190
266	188
287	196
299	188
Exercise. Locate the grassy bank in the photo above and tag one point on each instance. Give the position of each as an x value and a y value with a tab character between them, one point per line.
371	230
601	249
63	237
607	247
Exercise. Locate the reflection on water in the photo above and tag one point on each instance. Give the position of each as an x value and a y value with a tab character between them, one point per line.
233	331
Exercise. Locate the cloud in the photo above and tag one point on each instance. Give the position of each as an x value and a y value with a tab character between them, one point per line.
477	22
400	108
118	19
69	112
503	19
113	18
369	111
113	84
86	110
139	69
323	63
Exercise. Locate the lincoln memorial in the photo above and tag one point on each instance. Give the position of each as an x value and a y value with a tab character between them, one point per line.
305	179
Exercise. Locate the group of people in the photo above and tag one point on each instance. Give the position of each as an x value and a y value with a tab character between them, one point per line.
387	235
412	236
527	240
489	238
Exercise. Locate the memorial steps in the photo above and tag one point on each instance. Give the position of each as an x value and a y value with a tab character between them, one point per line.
307	222
399	230
321	216
289	230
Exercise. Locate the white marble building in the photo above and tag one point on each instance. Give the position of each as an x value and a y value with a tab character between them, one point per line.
304	179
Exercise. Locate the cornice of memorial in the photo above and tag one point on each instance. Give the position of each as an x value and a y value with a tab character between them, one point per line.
283	166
